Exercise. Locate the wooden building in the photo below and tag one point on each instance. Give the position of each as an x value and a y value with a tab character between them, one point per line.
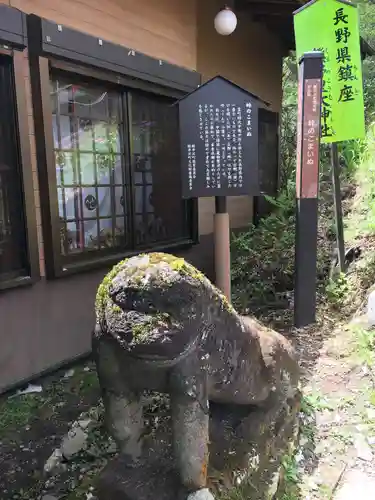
89	150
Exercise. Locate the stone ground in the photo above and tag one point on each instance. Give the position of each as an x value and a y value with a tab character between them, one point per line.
336	456
52	443
32	425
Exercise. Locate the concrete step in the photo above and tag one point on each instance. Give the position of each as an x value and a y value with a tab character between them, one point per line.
356	484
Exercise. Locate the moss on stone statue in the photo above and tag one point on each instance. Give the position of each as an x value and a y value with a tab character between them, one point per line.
102	294
137	276
143	331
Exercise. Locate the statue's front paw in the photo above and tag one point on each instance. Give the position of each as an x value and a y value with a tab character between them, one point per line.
203	494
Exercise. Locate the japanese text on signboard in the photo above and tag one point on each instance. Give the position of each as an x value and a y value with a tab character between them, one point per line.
221	129
310	146
219	141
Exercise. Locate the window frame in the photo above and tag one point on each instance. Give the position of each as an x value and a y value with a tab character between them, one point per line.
41	69
25	174
261	207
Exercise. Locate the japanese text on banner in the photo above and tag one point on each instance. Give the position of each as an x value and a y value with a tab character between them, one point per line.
331	26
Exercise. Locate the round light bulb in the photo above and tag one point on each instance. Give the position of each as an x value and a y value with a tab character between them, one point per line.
225	21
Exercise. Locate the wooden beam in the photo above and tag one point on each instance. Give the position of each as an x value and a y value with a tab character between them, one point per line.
271	8
283	28
277	15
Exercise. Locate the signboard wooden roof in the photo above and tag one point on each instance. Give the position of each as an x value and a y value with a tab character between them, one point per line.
331	26
219	140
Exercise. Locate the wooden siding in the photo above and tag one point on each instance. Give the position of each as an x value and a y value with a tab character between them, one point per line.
164	29
250	57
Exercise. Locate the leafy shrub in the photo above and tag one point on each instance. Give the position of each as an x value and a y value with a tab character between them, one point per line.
337	290
263	256
351	153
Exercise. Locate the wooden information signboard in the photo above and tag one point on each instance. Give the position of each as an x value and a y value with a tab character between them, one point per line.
308	145
219	155
219	141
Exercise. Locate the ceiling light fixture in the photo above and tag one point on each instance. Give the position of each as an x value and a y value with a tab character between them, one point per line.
225	21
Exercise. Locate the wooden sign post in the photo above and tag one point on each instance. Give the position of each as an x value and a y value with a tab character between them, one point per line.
307	181
219	155
222	246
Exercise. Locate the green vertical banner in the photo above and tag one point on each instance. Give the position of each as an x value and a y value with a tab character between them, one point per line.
332	27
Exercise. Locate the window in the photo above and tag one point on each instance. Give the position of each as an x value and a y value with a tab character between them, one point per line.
160	214
117	170
13	242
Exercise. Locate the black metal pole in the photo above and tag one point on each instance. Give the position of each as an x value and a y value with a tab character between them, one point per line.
307	179
338	206
220	204
305	262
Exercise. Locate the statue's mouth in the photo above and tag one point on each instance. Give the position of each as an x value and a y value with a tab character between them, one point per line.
146	332
165	359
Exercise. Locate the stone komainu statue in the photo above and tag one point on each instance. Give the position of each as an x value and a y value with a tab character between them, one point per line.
162	326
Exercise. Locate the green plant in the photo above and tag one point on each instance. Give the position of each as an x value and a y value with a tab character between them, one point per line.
364	346
351	153
337	290
288	122
367	28
361	221
325	492
344	437
17	411
263	256
290	469
314	402
290	477
88	382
